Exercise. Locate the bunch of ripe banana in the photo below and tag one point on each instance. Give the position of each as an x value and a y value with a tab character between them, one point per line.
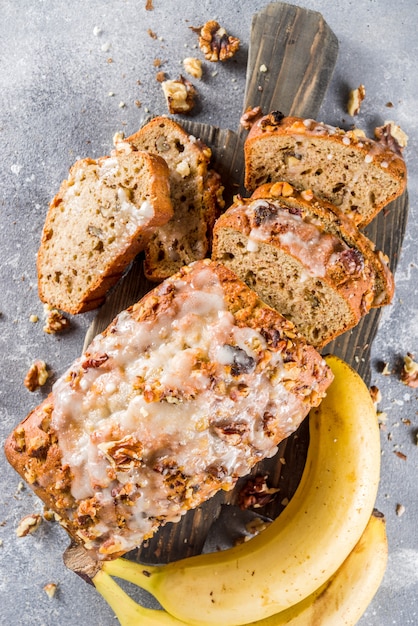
320	562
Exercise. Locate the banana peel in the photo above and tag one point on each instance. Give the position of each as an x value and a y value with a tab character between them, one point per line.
341	600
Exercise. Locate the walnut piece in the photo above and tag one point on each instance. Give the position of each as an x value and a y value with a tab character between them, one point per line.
409	373
390	137
215	43
28	524
50	590
375	395
250	116
355	98
55	321
256	493
180	95
396	132
36	376
193	67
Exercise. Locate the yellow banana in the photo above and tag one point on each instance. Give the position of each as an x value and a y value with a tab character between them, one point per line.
305	545
345	596
341	600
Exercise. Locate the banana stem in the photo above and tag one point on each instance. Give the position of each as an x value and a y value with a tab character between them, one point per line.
129	612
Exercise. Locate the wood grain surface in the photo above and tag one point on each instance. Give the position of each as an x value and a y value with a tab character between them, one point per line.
299	51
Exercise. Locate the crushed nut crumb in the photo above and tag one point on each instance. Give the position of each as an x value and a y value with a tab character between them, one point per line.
36	376
355	98
160	77
50	590
375	395
409	373
28	524
386	371
400	510
34	318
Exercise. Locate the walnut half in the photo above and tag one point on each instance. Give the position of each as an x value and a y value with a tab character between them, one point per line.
215	43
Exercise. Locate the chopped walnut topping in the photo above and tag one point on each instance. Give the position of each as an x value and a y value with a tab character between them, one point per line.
215	43
28	524
384	136
180	95
395	131
355	99
36	376
256	493
50	590
193	67
55	321
123	454
250	116
273	119
409	374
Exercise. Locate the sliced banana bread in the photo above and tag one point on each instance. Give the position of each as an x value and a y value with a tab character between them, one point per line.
196	194
357	174
303	257
102	216
183	393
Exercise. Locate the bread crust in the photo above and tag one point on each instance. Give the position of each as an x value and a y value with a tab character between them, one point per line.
373	286
37	446
293	138
78	261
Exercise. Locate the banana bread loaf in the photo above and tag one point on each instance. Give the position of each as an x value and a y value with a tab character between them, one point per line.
357	174
102	216
182	394
196	194
303	257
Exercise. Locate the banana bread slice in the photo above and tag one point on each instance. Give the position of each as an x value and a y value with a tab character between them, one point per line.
181	395
357	174
196	194
304	258
102	216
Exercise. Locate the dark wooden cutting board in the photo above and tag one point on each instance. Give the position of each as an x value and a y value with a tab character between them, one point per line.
299	51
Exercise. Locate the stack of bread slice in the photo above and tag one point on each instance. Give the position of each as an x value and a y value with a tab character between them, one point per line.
296	240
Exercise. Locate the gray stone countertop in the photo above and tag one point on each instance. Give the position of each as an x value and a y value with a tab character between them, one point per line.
71	75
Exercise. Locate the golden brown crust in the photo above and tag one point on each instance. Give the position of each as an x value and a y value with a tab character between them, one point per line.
377	155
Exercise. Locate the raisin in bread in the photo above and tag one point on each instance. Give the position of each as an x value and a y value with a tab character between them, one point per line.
102	216
181	395
304	258
196	194
357	174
